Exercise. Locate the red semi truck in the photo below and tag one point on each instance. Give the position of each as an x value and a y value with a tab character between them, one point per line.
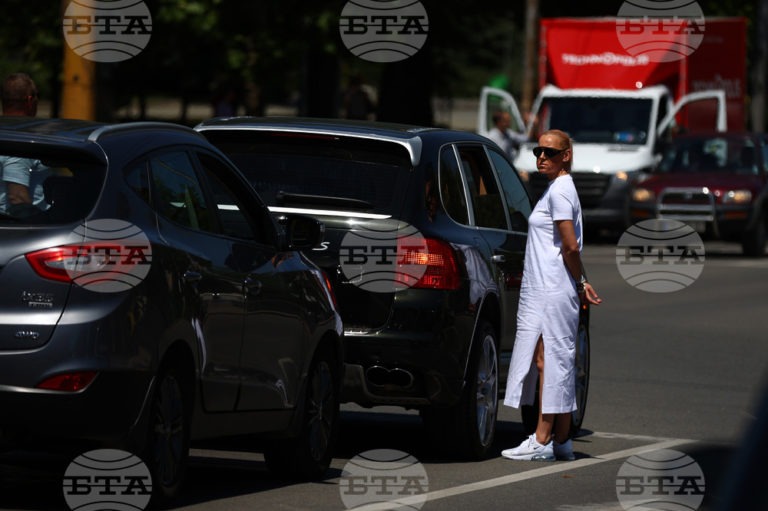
620	101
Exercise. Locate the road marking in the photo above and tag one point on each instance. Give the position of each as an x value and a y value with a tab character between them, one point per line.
530	474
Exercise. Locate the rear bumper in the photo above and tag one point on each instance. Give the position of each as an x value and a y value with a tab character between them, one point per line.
108	411
405	369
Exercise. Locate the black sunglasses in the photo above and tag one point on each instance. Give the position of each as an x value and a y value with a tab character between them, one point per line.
551	152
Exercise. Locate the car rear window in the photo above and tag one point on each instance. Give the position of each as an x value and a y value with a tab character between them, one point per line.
38	189
318	171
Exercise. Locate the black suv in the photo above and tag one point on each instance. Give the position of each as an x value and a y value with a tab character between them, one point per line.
426	232
149	299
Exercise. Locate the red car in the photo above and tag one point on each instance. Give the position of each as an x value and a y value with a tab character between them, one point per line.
715	182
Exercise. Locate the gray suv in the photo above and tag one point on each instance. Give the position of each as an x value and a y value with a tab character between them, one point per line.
150	300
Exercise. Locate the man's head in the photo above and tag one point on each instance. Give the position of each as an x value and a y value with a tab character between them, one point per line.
19	95
502	120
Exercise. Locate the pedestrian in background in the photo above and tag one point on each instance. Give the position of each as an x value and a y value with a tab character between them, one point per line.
509	141
21	179
553	287
357	102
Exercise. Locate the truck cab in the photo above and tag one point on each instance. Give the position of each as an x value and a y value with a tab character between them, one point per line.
617	136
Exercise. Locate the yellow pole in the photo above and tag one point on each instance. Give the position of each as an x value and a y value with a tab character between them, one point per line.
78	92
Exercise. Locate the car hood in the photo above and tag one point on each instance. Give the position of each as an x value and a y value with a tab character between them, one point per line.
603	158
711	180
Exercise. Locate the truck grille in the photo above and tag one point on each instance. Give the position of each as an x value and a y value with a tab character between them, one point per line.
696	196
687	204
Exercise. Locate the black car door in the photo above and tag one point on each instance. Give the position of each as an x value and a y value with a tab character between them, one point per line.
500	208
275	339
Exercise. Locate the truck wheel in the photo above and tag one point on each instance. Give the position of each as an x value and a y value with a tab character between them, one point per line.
469	427
530	413
753	244
308	455
167	449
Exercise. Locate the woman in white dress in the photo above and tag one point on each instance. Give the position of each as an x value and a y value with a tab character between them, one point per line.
552	289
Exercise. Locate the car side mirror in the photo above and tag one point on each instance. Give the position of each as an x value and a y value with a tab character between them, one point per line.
301	232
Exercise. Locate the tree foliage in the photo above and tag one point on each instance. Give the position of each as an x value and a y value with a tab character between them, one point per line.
291	51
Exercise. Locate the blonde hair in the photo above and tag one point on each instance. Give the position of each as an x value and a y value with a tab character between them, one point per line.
566	138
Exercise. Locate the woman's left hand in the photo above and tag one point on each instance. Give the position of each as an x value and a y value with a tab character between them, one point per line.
589	295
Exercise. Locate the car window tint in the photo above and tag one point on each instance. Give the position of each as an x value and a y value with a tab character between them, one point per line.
486	199
137	179
63	188
178	195
318	171
518	202
452	187
232	210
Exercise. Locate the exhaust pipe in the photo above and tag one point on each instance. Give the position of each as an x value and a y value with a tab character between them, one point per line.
381	376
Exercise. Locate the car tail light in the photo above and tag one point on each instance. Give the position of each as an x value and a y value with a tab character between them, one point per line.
52	263
68	382
439	262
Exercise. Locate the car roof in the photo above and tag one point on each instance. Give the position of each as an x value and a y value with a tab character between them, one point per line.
27	134
410	136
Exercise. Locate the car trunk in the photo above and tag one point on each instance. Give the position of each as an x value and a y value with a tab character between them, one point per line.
38	239
30	305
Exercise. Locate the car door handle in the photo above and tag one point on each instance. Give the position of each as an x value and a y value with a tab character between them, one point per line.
499	258
192	276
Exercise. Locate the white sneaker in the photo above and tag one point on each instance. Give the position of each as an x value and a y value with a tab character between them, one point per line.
531	450
564	451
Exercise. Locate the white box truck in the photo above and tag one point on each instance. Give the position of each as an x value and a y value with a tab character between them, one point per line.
620	109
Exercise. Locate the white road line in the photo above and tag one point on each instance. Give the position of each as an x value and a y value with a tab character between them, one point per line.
523	476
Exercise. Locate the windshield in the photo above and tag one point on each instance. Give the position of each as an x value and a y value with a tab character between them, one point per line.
318	171
710	154
599	120
35	189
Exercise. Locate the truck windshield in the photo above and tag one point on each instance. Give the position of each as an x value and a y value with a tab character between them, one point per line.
599	120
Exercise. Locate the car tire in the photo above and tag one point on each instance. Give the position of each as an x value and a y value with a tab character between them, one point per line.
753	244
530	413
468	429
308	455
167	449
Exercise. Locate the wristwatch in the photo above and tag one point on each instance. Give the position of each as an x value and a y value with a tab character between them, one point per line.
580	283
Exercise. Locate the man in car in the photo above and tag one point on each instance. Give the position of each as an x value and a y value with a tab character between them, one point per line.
22	178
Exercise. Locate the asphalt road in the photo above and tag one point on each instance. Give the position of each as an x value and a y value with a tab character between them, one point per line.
680	371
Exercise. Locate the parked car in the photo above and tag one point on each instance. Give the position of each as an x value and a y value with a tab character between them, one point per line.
151	301
425	238
715	182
